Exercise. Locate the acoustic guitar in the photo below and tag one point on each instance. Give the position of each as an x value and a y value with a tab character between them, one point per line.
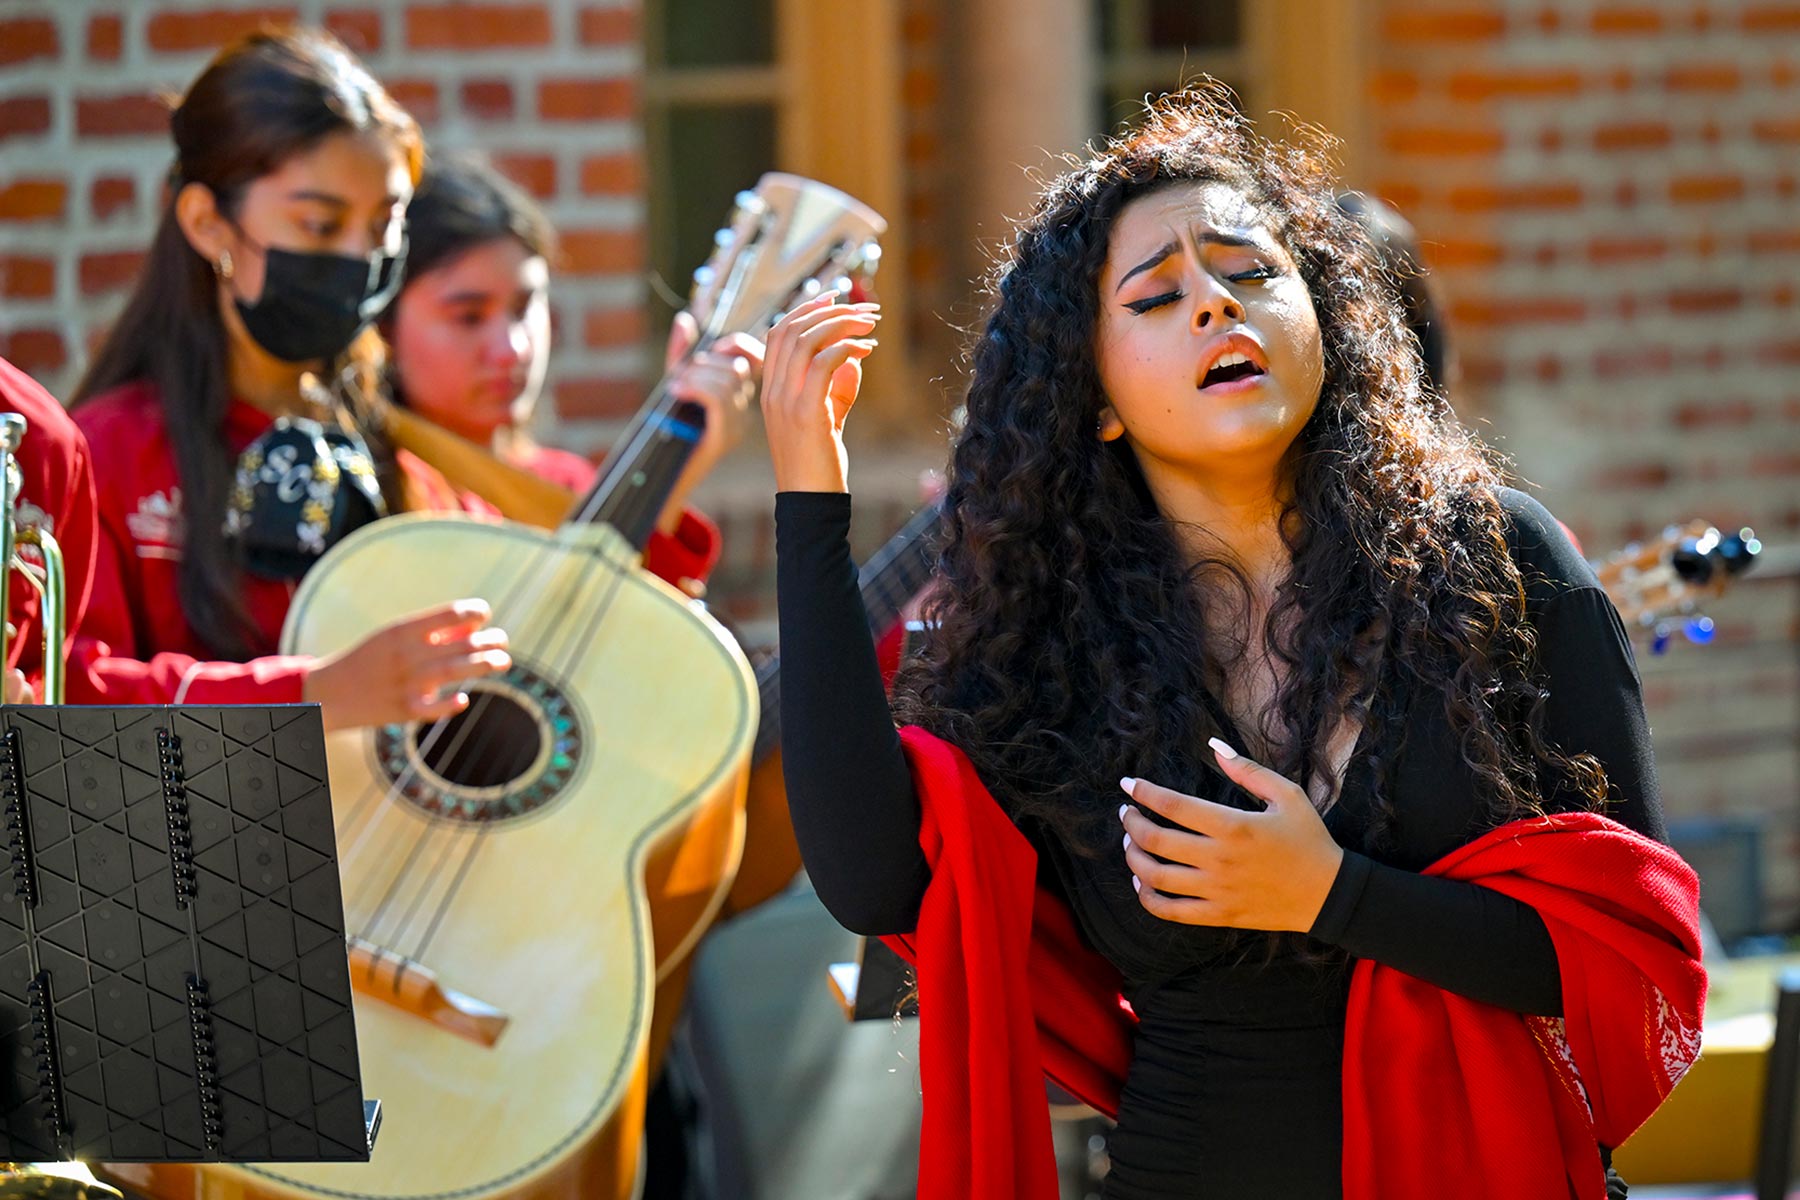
493	864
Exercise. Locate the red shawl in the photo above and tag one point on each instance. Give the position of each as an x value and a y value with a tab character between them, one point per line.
1433	1082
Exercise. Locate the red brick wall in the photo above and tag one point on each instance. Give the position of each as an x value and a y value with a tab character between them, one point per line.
550	89
1609	194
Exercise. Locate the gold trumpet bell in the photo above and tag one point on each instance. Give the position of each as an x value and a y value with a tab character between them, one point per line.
53	1181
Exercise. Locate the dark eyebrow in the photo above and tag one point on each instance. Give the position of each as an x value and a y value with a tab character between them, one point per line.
1212	238
320	198
472	296
1155	260
334	201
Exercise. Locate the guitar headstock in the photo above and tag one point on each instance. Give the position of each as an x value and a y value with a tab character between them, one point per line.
1660	585
788	239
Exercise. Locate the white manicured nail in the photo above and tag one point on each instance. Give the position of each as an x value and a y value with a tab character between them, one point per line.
1128	783
1224	750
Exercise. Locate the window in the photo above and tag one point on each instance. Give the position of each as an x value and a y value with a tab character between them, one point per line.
1150	47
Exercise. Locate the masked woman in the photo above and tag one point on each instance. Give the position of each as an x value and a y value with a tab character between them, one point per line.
470	337
1254	768
225	459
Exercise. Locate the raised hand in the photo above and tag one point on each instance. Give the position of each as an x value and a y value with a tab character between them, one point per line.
1266	870
810	379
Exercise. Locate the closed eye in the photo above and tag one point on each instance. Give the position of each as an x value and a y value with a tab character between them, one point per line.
1150	302
1255	275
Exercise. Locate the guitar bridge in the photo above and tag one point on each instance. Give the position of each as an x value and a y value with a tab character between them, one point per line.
394	979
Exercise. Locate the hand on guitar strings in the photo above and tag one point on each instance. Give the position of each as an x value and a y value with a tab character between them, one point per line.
410	669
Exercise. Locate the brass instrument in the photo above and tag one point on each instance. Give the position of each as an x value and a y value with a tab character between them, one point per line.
48	1180
47	581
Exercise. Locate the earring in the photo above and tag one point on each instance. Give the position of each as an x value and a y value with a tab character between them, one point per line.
223	267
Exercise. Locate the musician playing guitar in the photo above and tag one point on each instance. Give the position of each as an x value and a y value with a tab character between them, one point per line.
471	343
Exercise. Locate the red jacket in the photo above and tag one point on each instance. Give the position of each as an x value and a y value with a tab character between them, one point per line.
1433	1083
57	493
136	646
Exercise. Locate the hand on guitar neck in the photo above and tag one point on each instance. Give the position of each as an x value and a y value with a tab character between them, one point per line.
721	379
410	669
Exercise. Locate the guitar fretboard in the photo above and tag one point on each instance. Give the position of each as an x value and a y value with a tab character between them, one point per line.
892	576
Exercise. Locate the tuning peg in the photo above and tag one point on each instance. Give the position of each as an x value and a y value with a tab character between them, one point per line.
724	239
704	275
1699	630
748	201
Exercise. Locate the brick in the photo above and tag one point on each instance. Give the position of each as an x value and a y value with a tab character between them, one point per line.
111	195
1453	25
1614	20
1394	87
1706	189
24	116
27	278
1697	301
536	173
1776	463
488	99
920	87
1632	476
34	200
614	327
1703	77
1442	141
609	26
1784	353
1521	84
110	271
1777	131
357	28
1633	360
418	97
1627	249
587	99
1775	241
208	29
1488	197
105	38
1715	414
1464	252
612	175
1633	135
34	350
467	26
1771	18
597	398
1535	310
25	38
121	116
602	251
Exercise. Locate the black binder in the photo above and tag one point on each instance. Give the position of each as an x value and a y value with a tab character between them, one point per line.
173	981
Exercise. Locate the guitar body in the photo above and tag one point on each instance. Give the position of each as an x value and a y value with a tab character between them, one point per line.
626	721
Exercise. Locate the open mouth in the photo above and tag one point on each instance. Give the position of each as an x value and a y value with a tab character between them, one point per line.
1230	368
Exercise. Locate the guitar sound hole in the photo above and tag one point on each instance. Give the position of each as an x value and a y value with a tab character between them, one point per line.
489	744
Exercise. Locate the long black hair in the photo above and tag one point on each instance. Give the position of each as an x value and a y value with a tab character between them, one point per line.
1074	641
260	101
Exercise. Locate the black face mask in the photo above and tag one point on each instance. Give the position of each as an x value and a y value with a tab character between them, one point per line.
313	305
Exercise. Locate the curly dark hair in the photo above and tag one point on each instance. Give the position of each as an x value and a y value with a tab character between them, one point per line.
1071	632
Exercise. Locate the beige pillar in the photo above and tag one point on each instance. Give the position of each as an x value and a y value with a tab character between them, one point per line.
1025	93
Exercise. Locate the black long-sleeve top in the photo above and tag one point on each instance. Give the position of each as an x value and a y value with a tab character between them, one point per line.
1234	1087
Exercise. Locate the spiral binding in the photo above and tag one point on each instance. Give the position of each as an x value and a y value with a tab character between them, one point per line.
18	827
206	1063
43	1043
175	805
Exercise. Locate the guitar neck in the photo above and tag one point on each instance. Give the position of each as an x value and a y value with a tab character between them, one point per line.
640	473
892	576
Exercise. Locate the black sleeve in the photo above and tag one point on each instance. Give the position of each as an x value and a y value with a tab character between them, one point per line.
850	792
1469	939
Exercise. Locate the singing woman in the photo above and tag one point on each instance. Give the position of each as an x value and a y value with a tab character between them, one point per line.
1244	655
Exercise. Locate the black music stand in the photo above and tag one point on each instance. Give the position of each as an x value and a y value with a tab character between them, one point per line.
173	980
